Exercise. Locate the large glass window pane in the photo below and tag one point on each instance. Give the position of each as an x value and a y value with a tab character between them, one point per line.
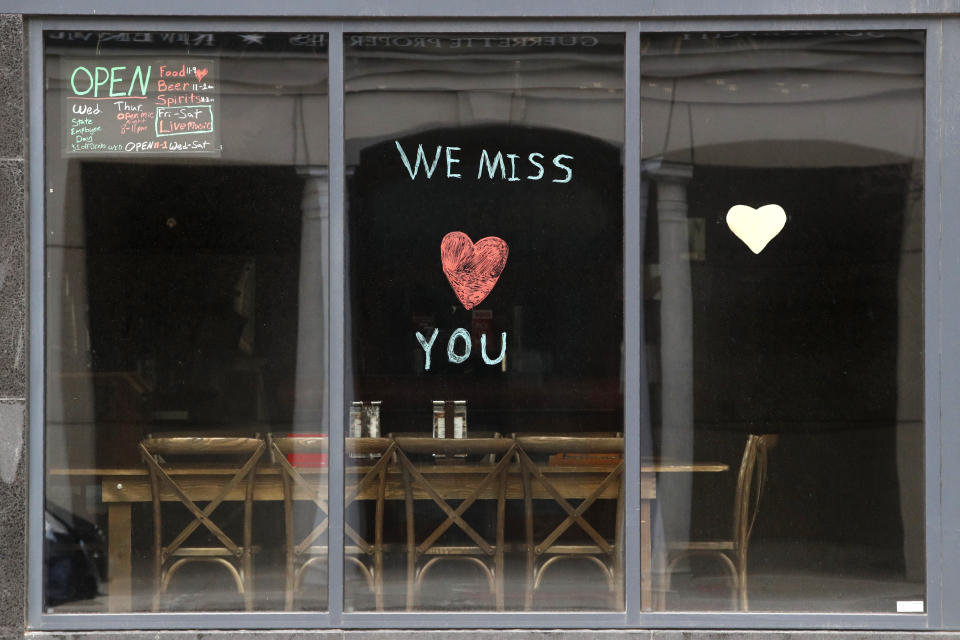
186	234
485	240
783	315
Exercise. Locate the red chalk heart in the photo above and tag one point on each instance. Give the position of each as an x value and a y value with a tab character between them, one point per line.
472	268
201	74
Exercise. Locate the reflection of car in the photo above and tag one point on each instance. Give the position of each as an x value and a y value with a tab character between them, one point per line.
75	555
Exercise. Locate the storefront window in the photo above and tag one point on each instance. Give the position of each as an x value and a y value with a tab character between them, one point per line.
485	238
510	447
187	225
783	314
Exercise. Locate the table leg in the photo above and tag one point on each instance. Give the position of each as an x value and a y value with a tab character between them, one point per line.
646	557
619	588
648	493
118	556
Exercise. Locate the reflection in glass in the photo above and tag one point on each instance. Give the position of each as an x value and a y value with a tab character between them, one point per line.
186	233
485	268
783	252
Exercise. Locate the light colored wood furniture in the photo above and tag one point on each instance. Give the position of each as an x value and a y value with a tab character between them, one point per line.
606	554
732	553
312	548
160	455
431	551
123	487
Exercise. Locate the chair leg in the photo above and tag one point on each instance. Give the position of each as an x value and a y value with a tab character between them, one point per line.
246	559
158	575
742	584
738	575
619	599
158	586
378	581
665	579
378	543
247	563
498	567
530	568
735	579
289	589
410	542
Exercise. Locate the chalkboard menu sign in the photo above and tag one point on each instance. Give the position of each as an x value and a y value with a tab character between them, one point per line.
155	106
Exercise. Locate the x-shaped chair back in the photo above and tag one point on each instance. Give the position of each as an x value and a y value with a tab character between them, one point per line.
295	483
502	448
612	551
245	450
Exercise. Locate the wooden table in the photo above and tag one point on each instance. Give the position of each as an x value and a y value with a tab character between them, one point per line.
122	487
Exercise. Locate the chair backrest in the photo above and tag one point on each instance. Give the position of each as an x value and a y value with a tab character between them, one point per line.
283	448
294	481
244	451
751	482
611	482
503	451
605	442
568	434
425	434
287	444
420	453
201	445
449	446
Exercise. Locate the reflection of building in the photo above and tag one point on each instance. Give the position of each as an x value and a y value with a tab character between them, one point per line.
800	97
573	86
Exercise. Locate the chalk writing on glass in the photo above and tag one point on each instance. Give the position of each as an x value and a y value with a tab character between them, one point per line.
511	167
154	106
472	268
459	358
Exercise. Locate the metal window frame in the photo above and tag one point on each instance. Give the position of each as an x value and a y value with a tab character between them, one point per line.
942	155
496	9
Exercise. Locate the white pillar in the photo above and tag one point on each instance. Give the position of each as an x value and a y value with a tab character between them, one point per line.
676	343
309	414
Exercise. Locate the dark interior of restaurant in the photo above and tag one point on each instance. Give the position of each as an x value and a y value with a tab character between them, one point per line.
193	278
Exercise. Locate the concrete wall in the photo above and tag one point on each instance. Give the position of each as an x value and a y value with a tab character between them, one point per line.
13	335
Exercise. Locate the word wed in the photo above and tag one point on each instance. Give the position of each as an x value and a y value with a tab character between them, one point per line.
457	358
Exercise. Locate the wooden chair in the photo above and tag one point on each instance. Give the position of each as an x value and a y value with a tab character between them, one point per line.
491	458
429	552
733	553
159	452
606	554
312	549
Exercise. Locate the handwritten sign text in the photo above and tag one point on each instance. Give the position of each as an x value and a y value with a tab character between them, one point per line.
492	164
140	106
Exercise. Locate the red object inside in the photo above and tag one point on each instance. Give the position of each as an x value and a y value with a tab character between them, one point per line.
307	459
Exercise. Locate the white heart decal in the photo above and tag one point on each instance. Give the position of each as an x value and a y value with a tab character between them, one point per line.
756	227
